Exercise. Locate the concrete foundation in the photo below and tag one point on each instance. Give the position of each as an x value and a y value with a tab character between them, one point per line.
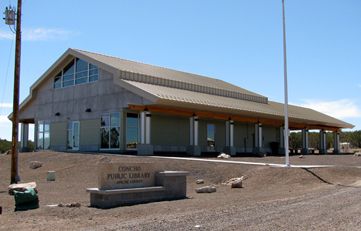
194	150
305	151
145	150
230	150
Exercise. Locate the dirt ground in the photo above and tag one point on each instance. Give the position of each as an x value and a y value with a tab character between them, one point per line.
271	198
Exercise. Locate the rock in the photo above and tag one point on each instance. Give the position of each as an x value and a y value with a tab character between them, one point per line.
223	156
357	154
21	187
104	160
206	189
301	156
200	181
70	205
8	152
235	182
35	164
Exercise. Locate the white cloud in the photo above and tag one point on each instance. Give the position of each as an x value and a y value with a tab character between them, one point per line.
342	109
39	34
6	105
42	34
5	127
6	35
4	119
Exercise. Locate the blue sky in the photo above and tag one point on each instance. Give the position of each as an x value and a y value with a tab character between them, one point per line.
237	41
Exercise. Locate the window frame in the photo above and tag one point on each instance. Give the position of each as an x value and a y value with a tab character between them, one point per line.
41	134
85	79
137	129
109	128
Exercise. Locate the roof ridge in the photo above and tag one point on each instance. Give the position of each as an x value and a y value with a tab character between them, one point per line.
155	66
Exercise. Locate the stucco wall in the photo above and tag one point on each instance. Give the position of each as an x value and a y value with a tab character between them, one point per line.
89	135
270	134
243	137
71	102
170	133
58	136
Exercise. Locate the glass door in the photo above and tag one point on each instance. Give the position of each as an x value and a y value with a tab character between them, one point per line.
73	135
132	128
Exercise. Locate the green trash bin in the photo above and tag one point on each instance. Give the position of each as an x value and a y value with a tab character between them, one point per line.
25	200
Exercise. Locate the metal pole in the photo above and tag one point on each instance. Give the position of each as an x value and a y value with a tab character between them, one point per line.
286	133
14	149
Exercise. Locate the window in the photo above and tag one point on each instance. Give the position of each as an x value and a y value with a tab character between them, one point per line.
109	131
43	141
68	74
93	73
73	135
211	131
81	74
132	128
57	81
76	72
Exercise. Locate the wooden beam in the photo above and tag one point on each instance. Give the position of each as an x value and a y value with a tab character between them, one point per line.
222	116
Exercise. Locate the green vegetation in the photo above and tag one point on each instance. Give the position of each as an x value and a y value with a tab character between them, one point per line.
6	145
353	137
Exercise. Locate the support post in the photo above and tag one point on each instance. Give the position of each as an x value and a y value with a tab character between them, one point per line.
323	144
258	149
304	141
193	148
336	142
145	147
24	137
230	149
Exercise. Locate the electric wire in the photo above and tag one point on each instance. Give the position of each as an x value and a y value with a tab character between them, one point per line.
2	101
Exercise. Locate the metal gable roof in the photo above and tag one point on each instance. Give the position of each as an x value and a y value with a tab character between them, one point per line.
178	97
171	88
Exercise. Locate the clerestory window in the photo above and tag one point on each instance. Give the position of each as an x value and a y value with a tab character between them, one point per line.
76	72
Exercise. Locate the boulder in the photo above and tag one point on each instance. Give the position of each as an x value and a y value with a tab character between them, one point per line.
235	182
200	181
223	156
357	154
35	164
206	189
104	160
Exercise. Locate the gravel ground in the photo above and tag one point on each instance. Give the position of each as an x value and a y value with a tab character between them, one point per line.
271	199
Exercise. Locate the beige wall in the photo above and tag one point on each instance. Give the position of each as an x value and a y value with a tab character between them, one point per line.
270	134
58	135
89	134
243	136
167	130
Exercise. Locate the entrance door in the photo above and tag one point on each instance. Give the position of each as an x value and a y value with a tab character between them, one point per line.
73	135
132	128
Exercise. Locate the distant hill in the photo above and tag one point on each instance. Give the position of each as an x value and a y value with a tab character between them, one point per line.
4	145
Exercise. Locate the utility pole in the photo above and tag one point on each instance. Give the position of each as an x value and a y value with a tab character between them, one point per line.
286	132
15	119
